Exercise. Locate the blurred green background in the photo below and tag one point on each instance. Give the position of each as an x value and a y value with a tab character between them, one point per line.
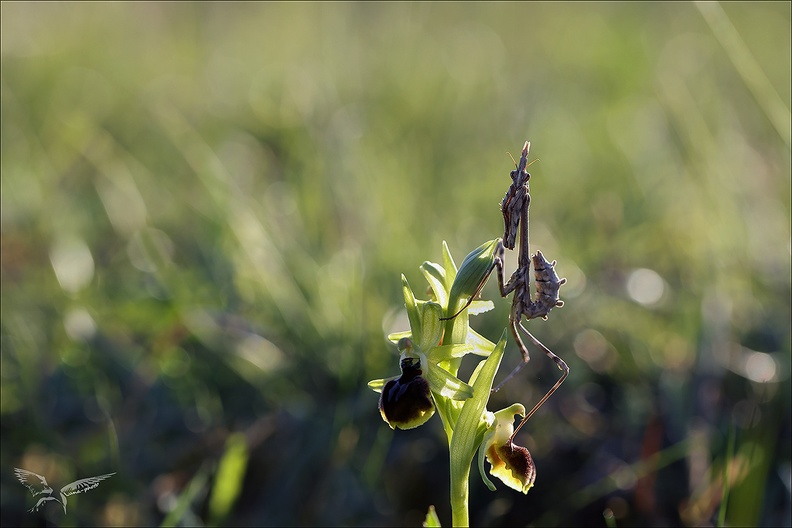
206	208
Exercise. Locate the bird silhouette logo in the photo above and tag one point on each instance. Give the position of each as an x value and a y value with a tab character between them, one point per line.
38	486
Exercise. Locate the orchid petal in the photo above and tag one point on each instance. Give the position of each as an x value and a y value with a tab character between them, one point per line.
480	307
436	277
447	386
431	326
396	336
377	384
412	308
481	345
446	352
450	266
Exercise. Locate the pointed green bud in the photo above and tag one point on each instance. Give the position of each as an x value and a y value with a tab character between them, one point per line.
472	275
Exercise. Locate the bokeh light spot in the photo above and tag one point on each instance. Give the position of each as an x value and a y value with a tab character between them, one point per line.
149	249
760	367
645	286
576	280
595	350
73	263
260	352
79	324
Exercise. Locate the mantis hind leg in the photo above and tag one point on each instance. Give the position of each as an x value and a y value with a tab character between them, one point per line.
526	357
560	363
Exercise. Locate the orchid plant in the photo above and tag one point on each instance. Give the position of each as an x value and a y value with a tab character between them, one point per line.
430	356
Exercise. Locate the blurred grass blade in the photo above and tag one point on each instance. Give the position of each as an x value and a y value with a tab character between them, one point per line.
748	68
726	477
432	520
610	519
609	483
229	479
193	489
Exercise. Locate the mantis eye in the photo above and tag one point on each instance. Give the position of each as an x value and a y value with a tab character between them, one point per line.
406	402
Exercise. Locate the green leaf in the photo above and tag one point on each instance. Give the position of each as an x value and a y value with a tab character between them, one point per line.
469	426
476	372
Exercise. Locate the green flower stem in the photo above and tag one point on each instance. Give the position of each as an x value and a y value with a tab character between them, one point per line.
459	498
469	433
456	333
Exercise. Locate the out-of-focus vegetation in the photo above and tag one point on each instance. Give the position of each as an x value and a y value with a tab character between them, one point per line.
206	208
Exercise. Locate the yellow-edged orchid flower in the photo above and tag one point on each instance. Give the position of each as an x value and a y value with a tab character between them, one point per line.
511	463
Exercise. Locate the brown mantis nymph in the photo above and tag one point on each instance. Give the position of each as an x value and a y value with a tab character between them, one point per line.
515	216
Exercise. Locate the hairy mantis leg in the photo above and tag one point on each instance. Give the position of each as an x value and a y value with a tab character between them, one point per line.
560	363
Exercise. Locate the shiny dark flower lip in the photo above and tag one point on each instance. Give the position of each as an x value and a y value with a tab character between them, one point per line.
406	402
